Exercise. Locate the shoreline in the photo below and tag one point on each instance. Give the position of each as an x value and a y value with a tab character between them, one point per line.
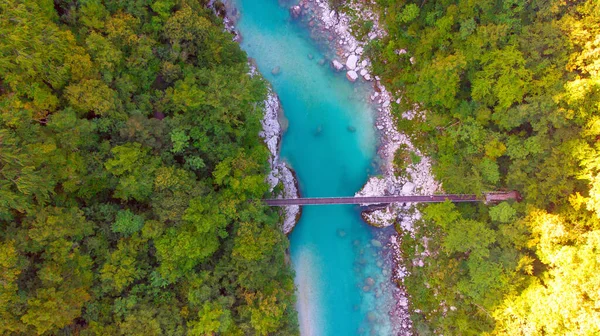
280	172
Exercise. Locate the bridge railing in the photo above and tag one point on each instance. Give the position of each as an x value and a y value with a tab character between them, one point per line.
456	198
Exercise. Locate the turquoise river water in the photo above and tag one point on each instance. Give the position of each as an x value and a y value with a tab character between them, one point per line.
331	144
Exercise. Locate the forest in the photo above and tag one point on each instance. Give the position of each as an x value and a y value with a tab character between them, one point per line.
507	95
129	153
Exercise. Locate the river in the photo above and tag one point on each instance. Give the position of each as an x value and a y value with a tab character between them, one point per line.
342	279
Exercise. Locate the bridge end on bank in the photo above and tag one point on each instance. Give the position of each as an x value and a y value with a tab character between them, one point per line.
501	196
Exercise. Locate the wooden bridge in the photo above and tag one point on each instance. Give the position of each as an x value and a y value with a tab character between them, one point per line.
492	197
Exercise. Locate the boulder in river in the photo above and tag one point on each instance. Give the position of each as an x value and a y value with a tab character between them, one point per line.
276	71
319	130
337	65
376	243
351	62
310	56
351	129
352	75
295	11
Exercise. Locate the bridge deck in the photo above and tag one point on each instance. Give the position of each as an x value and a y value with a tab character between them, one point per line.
372	200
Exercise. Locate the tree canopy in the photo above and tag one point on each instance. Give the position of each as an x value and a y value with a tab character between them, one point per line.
507	97
129	150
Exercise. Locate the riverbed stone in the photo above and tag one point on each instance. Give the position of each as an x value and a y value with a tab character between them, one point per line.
408	188
351	62
369	281
318	130
337	65
295	11
276	71
352	75
351	129
341	233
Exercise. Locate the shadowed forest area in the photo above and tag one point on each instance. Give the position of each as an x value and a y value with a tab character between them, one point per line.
507	95
128	150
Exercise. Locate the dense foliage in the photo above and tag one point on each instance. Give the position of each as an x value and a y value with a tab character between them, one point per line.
129	152
508	97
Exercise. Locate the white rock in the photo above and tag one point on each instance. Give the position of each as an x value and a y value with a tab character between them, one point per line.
272	144
352	75
351	62
365	63
337	65
363	72
408	188
280	172
368	77
386	103
359	51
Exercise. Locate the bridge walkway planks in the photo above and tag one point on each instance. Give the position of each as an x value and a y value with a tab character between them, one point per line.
372	200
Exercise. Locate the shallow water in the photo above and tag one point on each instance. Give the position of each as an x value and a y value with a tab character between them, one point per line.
330	143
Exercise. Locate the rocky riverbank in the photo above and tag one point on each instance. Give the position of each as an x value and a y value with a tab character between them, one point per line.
281	174
282	177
